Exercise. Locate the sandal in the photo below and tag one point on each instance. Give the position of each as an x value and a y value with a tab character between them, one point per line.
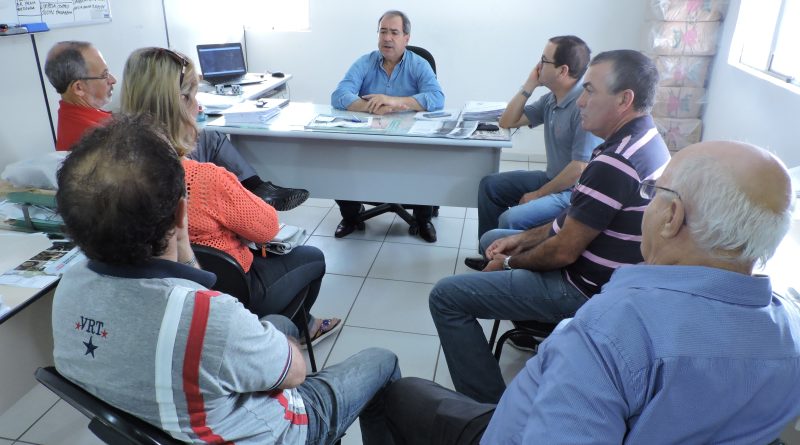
327	327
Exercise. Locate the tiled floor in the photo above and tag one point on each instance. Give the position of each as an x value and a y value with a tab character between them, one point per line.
377	281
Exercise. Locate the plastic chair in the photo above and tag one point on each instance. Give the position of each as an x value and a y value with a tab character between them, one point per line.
109	424
534	330
232	280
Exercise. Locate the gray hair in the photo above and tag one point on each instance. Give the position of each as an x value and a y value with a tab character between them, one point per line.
721	218
65	65
395	13
631	70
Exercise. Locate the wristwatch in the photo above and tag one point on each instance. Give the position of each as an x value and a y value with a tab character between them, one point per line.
506	264
524	93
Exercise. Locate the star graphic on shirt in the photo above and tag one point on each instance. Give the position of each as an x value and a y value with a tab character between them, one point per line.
89	347
104	334
77	325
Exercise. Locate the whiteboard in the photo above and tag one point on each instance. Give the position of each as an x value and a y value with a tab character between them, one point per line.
55	13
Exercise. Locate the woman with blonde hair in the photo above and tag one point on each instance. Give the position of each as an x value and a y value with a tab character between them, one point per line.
222	213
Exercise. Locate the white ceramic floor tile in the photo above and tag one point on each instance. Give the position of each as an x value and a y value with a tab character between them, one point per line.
394	306
416	353
469	235
510	166
306	217
346	256
448	232
11	442
335	299
472	213
26	411
353	435
319	202
62	425
452	212
410	262
375	230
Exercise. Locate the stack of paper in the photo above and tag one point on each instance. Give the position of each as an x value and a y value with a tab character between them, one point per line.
483	111
250	112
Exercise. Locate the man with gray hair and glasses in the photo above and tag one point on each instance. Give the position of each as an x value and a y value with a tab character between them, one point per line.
693	346
80	75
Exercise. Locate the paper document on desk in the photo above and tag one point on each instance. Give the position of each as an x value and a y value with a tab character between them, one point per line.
45	267
329	121
447	129
250	112
483	111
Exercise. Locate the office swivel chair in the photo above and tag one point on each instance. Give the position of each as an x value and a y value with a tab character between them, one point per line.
231	280
109	424
400	209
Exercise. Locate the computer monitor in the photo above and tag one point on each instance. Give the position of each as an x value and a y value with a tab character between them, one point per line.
221	62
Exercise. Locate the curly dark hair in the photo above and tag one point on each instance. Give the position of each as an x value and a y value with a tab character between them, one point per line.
118	191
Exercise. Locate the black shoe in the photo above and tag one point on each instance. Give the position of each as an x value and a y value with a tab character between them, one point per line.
280	197
476	262
425	231
523	343
345	228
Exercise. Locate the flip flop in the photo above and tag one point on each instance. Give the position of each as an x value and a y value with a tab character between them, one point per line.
326	328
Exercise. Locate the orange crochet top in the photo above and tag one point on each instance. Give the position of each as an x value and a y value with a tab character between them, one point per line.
222	212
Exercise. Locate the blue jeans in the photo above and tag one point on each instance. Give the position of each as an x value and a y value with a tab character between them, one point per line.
498	201
335	396
457	302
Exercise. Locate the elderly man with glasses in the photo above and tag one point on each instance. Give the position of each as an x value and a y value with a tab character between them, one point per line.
80	75
693	346
548	272
525	199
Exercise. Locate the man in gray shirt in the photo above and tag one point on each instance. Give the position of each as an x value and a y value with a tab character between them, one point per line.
137	326
526	199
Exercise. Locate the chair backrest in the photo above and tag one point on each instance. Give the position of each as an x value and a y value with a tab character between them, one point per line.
425	54
231	278
111	425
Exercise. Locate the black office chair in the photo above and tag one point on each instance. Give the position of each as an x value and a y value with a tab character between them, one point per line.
401	209
534	331
231	279
109	424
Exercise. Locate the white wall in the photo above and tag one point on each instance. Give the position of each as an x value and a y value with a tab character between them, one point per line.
483	50
24	127
744	107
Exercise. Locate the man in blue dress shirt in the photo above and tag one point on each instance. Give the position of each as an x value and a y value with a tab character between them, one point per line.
389	80
690	347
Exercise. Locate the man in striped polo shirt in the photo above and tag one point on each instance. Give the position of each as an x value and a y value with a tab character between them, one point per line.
548	272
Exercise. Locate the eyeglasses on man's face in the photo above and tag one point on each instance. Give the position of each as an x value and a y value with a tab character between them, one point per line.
648	189
103	76
544	60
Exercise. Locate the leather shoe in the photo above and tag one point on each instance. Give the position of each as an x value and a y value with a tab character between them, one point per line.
476	262
425	231
281	198
345	228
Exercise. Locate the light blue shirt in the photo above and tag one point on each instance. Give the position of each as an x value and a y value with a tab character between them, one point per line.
565	139
412	77
664	354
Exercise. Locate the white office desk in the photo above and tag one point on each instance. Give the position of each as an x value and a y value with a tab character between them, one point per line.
355	164
16	248
209	99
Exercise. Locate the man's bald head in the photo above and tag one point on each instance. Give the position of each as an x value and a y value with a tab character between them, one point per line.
736	199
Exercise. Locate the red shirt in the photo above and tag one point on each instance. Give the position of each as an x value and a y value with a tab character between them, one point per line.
73	121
